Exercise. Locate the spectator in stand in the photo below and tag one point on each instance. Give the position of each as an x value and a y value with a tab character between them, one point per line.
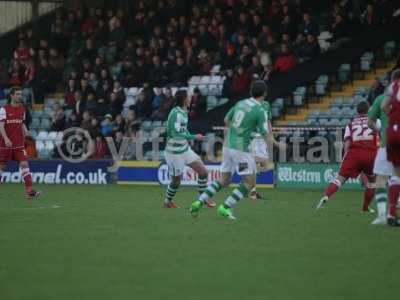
23	53
309	26
69	94
204	65
198	105
94	128
143	106
285	60
267	73
44	81
86	120
107	125
119	124
311	48
180	73
132	125
255	68
227	85
56	63
86	89
80	104
228	58
339	29
119	92
91	104
88	53
165	107
240	83
29	73
114	105
16	74
57	118
158	99
72	121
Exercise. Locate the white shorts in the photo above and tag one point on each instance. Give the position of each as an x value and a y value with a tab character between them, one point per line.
238	161
177	162
259	148
382	166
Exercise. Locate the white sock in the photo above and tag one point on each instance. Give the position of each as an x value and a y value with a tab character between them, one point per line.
382	210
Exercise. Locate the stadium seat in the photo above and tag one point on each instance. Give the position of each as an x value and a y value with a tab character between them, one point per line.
52	135
146	125
35	123
195	80
45	123
42	135
49	145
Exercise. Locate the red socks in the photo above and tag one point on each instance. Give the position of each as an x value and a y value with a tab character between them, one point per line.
333	187
368	197
27	178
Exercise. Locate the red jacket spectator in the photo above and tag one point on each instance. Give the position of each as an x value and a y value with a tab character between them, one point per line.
241	83
285	60
16	74
29	72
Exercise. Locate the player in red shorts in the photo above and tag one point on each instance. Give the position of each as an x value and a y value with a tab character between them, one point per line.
12	138
391	105
361	145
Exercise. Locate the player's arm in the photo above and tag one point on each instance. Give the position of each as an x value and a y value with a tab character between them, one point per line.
26	131
373	115
229	116
386	102
181	132
386	105
3	132
347	138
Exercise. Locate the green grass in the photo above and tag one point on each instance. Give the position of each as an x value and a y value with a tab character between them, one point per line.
118	243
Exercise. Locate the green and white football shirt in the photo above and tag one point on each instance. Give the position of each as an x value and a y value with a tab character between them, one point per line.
245	118
177	132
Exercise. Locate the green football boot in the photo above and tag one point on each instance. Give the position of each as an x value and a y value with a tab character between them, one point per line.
196	207
226	212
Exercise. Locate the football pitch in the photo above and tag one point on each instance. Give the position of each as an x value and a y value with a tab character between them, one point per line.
96	242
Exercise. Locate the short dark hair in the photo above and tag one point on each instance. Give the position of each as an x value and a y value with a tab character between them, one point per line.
14	89
362	107
258	88
395	75
180	97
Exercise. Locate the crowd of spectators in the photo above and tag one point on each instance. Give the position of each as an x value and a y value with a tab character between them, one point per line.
158	46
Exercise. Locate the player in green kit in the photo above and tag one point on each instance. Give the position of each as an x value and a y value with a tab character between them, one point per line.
383	169
178	153
261	152
245	118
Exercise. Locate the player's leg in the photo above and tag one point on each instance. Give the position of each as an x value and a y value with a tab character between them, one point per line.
394	193
227	166
175	168
261	155
247	169
170	193
247	184
393	153
383	170
27	179
332	188
381	200
369	193
202	178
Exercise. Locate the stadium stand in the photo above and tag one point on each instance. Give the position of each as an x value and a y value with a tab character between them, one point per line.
109	73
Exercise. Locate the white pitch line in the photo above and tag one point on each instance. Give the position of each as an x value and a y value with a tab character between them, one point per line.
44	207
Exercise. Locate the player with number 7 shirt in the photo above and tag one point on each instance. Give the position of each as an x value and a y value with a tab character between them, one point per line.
361	145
